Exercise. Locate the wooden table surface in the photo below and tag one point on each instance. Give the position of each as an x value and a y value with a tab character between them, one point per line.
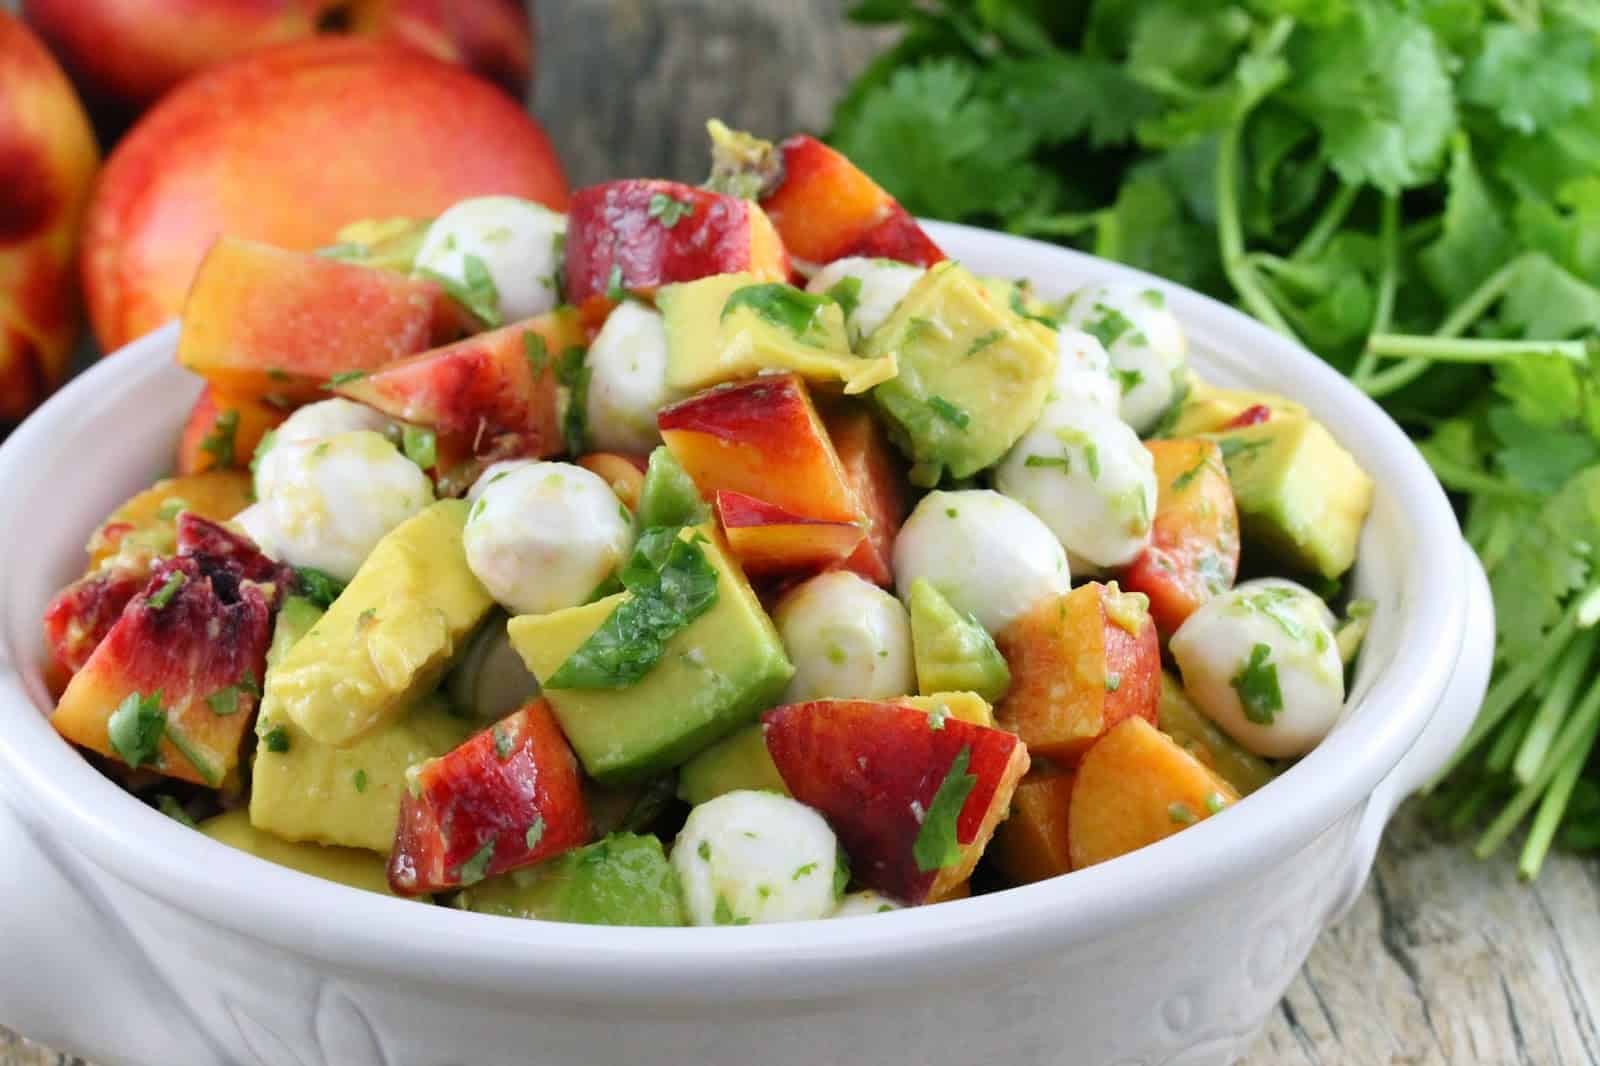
1444	960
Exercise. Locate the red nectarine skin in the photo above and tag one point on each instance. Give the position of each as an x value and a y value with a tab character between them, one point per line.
223	431
507	798
762	438
47	159
1076	672
1193	553
80	615
286	146
876	473
768	540
826	208
872	769
642	233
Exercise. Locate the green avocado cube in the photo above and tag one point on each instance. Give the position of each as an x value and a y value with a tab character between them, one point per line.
738	762
1301	497
973	374
622	880
668	496
952	652
715	675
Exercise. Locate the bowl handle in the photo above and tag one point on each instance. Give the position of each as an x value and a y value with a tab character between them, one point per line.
71	974
1444	732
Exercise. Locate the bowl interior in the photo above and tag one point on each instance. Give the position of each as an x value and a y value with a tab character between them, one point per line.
113	430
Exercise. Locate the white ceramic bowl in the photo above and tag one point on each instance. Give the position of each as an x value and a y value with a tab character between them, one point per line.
129	939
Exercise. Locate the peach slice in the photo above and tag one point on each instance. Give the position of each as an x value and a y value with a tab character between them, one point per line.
875	471
1080	663
223	431
1033	843
1194	537
150	517
768	540
624	473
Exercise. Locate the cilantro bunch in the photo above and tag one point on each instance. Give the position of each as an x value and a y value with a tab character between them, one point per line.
1411	188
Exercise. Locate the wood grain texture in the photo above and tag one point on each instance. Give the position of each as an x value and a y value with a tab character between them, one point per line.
1444	961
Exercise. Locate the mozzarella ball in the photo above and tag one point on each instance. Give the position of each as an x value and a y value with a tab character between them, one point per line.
752	857
545	536
520	244
866	901
1088	476
1083	371
328	502
846	638
317	421
494	473
491	680
255	522
884	283
1261	661
990	556
1143	339
627	380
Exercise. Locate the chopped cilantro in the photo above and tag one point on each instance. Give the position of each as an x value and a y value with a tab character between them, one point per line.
476	868
420	445
1257	686
536	352
475	290
722	914
1215	801
276	740
366	618
136	727
1091	456
951	512
1109	327
841	873
1128	380
985	340
169	588
846	292
504	745
535	833
359	779
785	306
614	289
1183	480
1060	462
1180	814
1113	681
937	845
937	716
268	438
219	443
317	586
704	851
668	210
171	508
174	810
804	871
1019	304
573	373
949	412
224	702
345	378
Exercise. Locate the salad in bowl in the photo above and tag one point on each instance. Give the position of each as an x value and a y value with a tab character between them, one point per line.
708	555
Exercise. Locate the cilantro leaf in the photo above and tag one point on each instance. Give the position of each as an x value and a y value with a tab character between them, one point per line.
1530	78
136	727
937	845
475	290
1474	241
668	210
1257	686
793	310
1549	561
318	587
573	373
219	442
476	868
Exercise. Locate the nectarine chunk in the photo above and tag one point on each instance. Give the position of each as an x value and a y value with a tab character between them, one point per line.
223	431
1194	537
623	473
1032	844
260	320
875	472
1080	663
1135	787
150	517
769	540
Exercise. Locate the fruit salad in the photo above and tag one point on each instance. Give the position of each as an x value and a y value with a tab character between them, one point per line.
704	556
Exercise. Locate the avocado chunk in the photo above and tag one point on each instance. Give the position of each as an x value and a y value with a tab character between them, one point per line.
347	866
381	243
621	880
973	376
732	326
669	496
736	763
1192	731
389	636
1300	495
967	707
1208	408
714	675
304	790
953	653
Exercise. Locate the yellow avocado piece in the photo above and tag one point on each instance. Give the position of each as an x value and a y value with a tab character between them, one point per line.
968	707
388	638
1192	731
1300	495
710	342
738	762
1208	408
358	869
974	375
715	675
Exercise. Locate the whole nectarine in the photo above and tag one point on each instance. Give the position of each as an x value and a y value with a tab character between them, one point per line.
285	146
47	159
123	54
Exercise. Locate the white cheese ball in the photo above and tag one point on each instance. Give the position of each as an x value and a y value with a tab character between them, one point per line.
545	536
864	902
847	638
1083	372
328	502
627	380
255	522
519	242
1088	476
1143	339
494	473
753	857
1261	661
990	556
884	283
318	421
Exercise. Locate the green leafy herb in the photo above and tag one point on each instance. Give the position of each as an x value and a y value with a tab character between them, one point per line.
136	727
504	743
846	292
169	588
359	779
841	873
1113	681
722	913
174	810
793	310
268	438
1180	814
804	871
535	833
1257	686
938	716
704	851
345	378
985	340
317	586
615	292
475	290
276	740
1127	380
536	352
949	412
1108	327
420	445
171	508
1215	802
225	701
668	210
476	868
670	584
1059	462
219	442
1091	458
573	374
936	845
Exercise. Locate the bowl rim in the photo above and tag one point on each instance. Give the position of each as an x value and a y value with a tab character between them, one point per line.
507	957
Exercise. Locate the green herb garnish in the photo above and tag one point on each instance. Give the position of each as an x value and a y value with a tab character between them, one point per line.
319	587
936	845
504	744
219	443
136	727
345	378
1257	686
359	779
846	292
785	306
276	740
476	868
668	210
169	588
614	288
535	833
174	810
949	412
475	290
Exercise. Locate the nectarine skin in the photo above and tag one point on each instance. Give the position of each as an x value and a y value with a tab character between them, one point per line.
285	146
47	160
642	233
872	769
877	474
769	540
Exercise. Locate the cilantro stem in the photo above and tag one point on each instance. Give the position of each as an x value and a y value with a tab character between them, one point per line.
1576	738
1508	740
1388	282
1458	478
1466	811
1551	809
1327	223
1230	234
1467	350
1068	224
1553	708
